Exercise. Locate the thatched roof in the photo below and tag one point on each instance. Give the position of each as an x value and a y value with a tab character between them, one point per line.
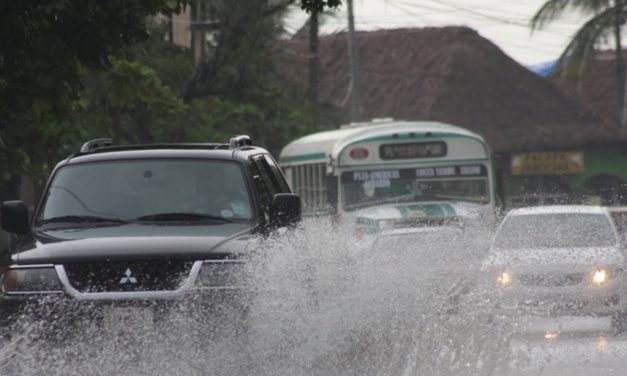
454	75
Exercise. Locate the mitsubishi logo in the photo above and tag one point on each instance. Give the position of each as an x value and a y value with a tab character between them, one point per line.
128	277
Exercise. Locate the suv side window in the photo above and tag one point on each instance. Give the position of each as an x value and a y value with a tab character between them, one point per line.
267	174
277	174
263	185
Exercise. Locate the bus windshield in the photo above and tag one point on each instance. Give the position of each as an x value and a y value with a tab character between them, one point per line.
451	183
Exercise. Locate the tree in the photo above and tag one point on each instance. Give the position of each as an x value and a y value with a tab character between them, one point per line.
238	87
239	57
606	22
318	6
46	46
315	8
130	103
73	69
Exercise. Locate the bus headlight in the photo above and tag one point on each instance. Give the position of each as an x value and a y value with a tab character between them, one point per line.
31	280
600	277
359	232
221	274
504	278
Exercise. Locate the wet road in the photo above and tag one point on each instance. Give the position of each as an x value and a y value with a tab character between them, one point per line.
328	304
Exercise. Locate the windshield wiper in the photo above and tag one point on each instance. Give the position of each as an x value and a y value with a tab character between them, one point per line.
458	199
82	219
181	217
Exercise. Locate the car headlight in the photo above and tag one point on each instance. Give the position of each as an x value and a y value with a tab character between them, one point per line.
221	274
504	278
31	280
600	277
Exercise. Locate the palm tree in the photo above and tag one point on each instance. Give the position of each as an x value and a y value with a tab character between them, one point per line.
607	20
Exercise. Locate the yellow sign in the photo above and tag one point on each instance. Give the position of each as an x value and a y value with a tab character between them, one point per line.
548	163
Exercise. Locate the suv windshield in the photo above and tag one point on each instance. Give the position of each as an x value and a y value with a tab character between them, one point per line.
555	231
147	190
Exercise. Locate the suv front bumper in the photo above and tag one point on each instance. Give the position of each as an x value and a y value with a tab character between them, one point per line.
70	306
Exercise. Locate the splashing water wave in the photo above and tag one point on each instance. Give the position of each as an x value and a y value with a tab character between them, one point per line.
323	303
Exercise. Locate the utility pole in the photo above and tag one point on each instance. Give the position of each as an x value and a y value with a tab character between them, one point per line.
354	66
170	29
620	66
198	33
313	57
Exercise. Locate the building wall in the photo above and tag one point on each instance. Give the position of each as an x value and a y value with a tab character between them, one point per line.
603	180
181	28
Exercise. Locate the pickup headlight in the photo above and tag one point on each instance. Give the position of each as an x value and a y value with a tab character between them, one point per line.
221	274
31	280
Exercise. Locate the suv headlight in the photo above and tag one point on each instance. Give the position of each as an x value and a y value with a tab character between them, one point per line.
221	274
31	280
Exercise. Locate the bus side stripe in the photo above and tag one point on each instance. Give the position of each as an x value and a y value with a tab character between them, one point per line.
428	162
304	157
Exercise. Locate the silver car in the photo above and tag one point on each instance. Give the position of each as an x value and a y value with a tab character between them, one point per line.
557	259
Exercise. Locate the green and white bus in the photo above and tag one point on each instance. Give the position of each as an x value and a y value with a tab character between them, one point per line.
392	173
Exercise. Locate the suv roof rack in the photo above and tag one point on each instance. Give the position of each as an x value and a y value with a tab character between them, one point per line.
238	141
97	143
100	143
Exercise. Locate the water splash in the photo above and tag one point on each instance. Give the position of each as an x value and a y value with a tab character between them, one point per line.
323	303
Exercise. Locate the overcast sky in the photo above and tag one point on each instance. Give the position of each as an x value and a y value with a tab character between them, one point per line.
505	22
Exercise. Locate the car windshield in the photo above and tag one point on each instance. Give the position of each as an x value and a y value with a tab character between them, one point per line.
555	231
147	190
366	188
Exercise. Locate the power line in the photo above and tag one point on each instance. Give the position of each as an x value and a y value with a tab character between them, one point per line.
478	17
472	14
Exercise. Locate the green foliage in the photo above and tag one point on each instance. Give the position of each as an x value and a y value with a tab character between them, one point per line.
240	58
173	64
132	104
238	87
553	9
270	125
582	44
607	18
597	29
73	70
47	46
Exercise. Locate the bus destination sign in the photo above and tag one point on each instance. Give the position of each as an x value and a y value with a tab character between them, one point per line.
463	171
413	150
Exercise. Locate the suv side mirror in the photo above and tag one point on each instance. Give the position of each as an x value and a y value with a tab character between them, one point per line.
285	210
14	217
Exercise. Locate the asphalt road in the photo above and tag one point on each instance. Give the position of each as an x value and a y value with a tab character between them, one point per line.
340	307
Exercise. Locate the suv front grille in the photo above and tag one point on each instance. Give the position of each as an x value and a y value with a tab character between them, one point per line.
551	280
127	276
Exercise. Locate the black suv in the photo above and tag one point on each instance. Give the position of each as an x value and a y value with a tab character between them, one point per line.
134	225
